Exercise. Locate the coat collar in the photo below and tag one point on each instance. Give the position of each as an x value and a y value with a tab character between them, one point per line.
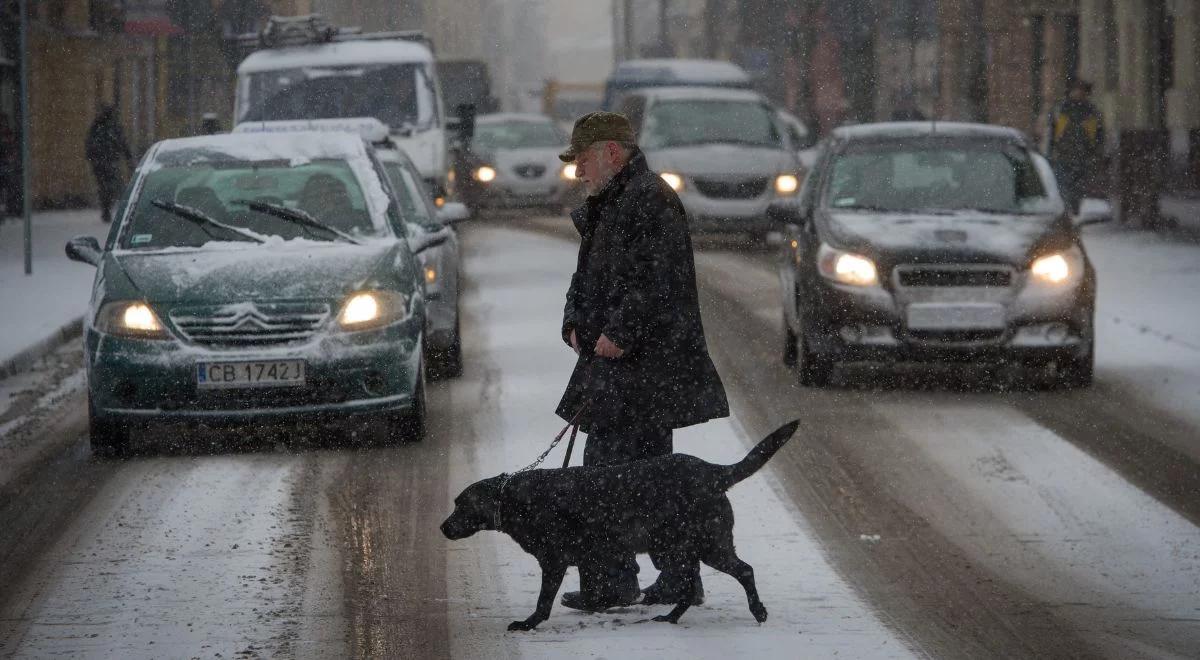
582	216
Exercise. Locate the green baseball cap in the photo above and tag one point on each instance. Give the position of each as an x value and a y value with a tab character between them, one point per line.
597	127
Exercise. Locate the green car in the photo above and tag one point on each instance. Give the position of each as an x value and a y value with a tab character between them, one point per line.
255	278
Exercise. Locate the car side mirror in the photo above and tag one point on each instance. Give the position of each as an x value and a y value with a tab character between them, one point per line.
1092	212
453	212
85	249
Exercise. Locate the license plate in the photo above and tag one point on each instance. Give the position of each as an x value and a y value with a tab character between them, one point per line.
266	373
941	316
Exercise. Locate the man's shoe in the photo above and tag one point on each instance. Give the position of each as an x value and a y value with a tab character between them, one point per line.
577	600
656	594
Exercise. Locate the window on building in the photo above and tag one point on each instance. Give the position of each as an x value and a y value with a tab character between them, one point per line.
106	15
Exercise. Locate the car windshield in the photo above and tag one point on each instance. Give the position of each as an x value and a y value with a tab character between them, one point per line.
326	190
993	177
683	123
517	135
399	95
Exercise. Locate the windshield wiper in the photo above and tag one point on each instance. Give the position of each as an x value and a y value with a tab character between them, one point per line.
994	211
693	143
297	216
203	220
867	207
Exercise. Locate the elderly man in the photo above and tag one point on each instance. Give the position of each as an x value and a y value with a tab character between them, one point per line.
633	317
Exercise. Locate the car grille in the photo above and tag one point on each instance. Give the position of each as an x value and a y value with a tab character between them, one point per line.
530	171
250	324
954	276
955	336
731	189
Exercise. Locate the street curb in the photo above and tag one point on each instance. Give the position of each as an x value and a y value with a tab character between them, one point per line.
25	359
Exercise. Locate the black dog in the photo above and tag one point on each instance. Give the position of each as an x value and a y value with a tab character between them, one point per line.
674	506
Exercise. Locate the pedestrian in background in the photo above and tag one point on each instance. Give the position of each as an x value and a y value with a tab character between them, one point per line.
1076	133
106	149
633	316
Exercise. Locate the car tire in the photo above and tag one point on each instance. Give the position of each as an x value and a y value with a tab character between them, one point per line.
107	436
452	365
409	426
815	370
447	362
1078	373
790	348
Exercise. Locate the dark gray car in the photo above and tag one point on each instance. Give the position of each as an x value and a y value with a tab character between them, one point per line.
935	242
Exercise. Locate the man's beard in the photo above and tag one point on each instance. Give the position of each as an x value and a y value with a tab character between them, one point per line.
599	181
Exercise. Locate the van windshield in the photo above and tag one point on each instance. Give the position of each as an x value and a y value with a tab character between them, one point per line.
399	95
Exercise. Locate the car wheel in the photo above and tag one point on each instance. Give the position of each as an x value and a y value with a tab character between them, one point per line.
790	349
446	363
1078	373
108	437
409	426
815	370
452	366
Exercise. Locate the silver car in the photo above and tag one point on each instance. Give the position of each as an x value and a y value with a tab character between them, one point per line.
723	151
513	163
439	264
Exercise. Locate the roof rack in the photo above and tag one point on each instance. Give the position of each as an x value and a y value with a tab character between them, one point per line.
282	31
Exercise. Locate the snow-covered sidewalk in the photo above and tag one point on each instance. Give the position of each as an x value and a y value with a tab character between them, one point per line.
34	308
491	581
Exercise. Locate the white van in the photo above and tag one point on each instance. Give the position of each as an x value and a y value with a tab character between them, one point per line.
303	69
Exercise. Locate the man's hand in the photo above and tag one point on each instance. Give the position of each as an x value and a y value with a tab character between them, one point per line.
605	348
574	342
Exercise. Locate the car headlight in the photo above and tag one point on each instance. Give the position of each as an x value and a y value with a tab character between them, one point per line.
787	184
673	180
373	309
1053	268
569	171
846	267
130	318
485	174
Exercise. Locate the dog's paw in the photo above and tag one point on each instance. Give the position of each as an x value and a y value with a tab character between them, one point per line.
666	618
759	611
523	626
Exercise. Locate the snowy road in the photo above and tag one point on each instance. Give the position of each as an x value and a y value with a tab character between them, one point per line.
938	518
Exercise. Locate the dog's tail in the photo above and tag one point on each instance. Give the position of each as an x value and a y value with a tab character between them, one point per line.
758	456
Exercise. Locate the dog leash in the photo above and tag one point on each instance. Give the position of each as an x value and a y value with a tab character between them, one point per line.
572	426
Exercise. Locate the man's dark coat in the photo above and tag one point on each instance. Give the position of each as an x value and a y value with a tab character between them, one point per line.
635	282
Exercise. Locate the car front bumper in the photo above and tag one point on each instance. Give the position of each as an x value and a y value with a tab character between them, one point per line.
760	214
1041	324
346	373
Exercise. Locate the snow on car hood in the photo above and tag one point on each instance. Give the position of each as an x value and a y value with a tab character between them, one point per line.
959	237
233	272
722	160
